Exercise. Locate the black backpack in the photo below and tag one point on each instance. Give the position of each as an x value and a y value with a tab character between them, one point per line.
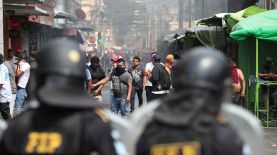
164	80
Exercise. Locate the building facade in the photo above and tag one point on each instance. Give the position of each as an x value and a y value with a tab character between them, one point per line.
27	24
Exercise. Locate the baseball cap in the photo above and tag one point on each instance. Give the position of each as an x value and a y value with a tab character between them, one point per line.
156	58
116	58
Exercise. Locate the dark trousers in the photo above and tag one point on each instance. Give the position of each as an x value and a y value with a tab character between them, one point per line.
236	98
133	96
148	91
5	110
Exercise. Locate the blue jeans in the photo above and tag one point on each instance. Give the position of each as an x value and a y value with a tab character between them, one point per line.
119	104
21	96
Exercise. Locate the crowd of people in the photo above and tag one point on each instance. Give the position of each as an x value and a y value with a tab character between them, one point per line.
155	79
15	74
65	118
128	82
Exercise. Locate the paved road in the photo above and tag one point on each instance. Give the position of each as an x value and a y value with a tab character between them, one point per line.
270	134
271	141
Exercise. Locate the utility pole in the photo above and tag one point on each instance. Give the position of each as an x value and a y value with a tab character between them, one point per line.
202	8
1	28
190	13
155	38
181	13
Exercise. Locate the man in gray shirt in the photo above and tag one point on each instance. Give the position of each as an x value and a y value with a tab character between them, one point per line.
122	87
137	73
10	64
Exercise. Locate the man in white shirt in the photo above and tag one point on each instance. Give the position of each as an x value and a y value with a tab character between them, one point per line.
148	73
10	63
5	90
23	74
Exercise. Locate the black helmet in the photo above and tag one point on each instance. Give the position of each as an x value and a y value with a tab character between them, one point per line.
60	75
204	68
62	57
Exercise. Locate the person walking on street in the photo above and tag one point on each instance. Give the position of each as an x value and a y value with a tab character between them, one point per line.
96	74
23	74
148	72
160	79
10	63
64	121
5	90
122	88
137	73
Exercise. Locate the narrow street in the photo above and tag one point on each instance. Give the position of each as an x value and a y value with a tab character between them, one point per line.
207	51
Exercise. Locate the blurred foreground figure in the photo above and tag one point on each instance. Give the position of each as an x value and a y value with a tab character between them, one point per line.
190	122
63	121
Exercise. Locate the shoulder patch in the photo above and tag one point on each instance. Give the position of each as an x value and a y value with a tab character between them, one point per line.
102	115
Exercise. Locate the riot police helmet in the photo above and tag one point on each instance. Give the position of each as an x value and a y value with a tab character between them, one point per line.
206	71
203	67
61	74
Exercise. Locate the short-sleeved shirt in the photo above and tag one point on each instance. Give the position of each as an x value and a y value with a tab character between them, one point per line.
88	75
149	66
137	75
5	90
120	83
24	78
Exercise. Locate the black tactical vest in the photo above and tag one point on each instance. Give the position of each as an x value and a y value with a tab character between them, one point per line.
162	139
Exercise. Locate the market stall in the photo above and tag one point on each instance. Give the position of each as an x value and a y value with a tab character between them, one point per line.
257	38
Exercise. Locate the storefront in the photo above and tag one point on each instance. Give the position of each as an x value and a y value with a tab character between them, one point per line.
27	26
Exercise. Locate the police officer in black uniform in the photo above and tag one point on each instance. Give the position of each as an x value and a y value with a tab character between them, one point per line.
189	121
64	121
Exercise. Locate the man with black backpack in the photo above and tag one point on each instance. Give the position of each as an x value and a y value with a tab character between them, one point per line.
160	79
95	75
122	87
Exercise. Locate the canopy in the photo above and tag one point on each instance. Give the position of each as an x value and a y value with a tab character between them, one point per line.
233	18
215	20
261	26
